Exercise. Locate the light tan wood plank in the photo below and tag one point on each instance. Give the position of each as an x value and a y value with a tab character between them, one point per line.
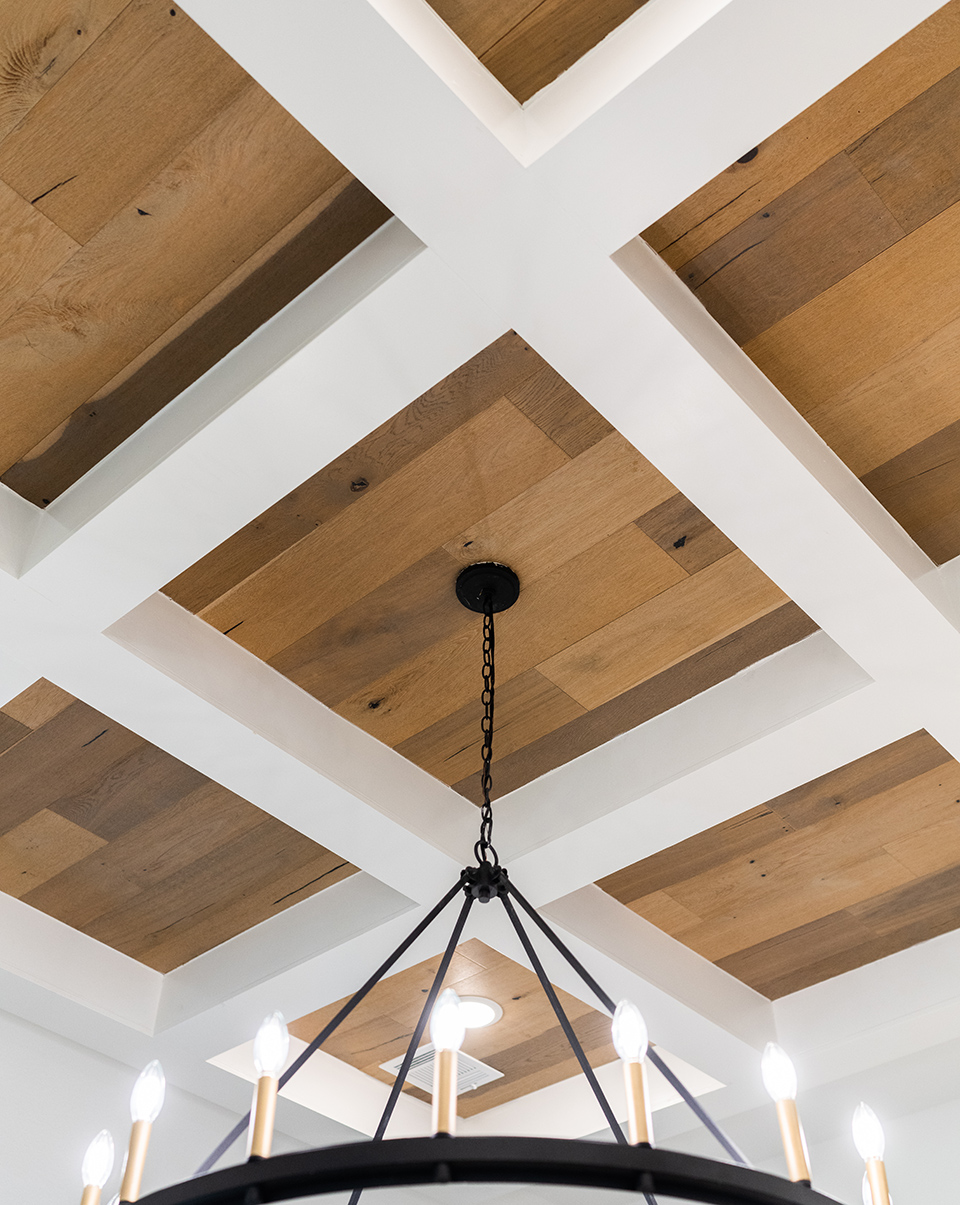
662	910
528	707
33	248
611	576
475	469
37	704
598	492
855	107
198	222
40	848
663	631
852	330
39	41
906	400
146	86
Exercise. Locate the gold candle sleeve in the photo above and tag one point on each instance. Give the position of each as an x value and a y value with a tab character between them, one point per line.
91	1195
445	1092
264	1117
794	1147
136	1157
638	1113
877	1177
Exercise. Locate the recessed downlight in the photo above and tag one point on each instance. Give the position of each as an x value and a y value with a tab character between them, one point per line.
477	1012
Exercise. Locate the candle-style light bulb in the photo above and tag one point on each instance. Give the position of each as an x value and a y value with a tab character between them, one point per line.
629	1032
270	1049
780	1081
146	1101
96	1168
447	1032
870	1143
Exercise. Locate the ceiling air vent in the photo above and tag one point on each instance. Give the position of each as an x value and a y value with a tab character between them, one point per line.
471	1073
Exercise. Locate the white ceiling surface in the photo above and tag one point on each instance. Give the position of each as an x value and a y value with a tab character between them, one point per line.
510	219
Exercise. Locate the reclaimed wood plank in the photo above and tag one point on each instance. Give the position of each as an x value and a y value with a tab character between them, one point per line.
40	848
685	533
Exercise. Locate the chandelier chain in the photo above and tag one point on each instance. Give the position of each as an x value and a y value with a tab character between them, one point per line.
484	849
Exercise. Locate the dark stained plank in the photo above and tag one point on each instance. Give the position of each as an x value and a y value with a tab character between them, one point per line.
528	707
138	95
129	792
791	250
475	386
859	780
393	623
11	731
921	489
912	160
916	911
685	533
737	837
811	953
757	640
39	41
297	256
68	755
559	411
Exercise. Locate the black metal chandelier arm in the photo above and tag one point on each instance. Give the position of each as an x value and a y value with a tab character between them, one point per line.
501	1160
240	1128
401	1077
699	1111
564	1020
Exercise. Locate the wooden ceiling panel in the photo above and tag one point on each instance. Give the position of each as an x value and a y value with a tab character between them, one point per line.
851	867
829	253
162	205
631	600
526	1044
526	44
115	837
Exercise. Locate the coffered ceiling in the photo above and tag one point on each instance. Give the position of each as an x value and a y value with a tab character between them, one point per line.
304	312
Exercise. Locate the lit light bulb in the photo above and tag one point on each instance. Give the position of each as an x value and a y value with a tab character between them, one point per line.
629	1032
779	1075
98	1161
446	1025
271	1045
146	1100
867	1133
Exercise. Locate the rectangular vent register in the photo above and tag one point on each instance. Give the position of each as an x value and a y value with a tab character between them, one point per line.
471	1073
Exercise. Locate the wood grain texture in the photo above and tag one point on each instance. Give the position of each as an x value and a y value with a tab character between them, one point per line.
848	868
527	43
294	258
158	205
830	255
502	461
795	248
674	686
854	108
526	1044
479	466
39	41
119	839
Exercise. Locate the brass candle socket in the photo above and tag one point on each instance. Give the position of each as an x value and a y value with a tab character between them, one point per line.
638	1110
136	1157
264	1117
794	1145
877	1178
445	1092
91	1195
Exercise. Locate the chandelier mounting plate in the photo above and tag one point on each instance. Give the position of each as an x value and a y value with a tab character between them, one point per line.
488	579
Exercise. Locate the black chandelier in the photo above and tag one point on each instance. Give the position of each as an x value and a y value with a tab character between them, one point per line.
629	1164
